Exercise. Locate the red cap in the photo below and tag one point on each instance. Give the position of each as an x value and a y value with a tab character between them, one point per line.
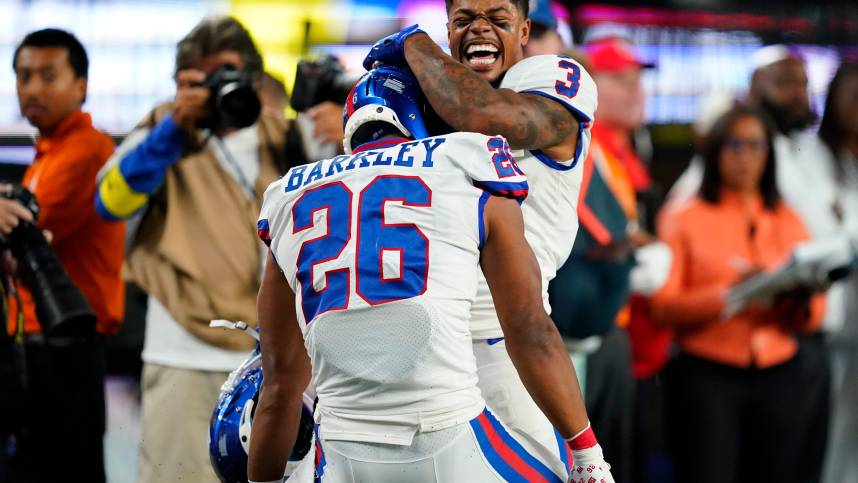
613	55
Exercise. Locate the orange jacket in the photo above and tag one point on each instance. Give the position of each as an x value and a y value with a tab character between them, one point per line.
62	177
713	245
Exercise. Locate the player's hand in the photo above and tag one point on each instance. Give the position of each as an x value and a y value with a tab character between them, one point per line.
391	49
328	122
191	101
589	466
588	462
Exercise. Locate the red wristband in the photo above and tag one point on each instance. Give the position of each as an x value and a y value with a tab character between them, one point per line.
583	440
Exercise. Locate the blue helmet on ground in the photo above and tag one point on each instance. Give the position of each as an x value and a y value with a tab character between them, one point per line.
229	430
232	421
388	101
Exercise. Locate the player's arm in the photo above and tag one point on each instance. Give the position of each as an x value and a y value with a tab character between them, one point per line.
286	369
470	104
532	340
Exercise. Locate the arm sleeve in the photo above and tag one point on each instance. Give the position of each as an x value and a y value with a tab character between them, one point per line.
135	173
271	216
562	80
491	166
65	191
677	305
818	302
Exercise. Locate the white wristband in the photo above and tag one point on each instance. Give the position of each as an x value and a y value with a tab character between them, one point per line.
579	432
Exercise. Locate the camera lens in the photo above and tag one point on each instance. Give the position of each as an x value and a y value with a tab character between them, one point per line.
239	104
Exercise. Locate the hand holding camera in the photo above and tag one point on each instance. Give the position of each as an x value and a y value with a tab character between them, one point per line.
11	213
219	102
327	118
192	98
61	308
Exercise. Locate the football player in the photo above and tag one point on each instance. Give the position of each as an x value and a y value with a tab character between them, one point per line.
543	105
373	264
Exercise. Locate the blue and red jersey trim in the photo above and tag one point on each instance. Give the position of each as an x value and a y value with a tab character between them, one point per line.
583	123
319	458
481	220
513	190
564	451
264	232
506	455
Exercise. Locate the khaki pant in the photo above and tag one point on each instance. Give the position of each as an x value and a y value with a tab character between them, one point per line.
176	408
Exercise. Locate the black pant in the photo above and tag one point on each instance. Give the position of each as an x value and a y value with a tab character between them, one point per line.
651	458
815	397
609	397
63	420
733	425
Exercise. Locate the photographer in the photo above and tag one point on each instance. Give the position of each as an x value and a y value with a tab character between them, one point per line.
319	95
63	414
192	176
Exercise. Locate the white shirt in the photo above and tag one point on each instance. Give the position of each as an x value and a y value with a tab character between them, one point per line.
811	185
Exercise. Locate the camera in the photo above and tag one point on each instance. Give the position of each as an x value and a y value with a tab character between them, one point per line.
233	103
319	81
61	308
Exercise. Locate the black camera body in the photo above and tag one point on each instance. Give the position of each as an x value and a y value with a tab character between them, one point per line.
61	308
319	81
233	103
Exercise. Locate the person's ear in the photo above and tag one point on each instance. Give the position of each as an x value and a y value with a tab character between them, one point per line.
757	87
525	32
80	86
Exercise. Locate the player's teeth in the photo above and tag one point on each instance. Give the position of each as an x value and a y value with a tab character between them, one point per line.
482	60
483	47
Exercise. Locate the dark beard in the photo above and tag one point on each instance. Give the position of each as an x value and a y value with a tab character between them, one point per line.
788	119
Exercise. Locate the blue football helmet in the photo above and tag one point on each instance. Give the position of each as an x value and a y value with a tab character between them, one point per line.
232	421
388	101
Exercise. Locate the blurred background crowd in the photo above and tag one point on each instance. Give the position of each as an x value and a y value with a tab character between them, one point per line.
725	148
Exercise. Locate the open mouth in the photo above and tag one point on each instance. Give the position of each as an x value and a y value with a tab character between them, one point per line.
481	54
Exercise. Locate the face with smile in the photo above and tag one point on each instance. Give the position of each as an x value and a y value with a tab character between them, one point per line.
487	36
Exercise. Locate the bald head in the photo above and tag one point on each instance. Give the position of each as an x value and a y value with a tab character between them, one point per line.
780	88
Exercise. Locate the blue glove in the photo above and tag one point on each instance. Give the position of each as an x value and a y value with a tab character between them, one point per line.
391	49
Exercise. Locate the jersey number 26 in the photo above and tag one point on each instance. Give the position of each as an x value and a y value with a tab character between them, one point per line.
374	237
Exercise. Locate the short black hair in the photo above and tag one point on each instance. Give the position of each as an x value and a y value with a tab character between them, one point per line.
710	188
523	6
57	38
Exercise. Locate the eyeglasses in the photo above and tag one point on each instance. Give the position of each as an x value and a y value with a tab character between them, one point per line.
753	145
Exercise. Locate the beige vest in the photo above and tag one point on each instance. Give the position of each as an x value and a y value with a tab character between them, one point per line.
196	250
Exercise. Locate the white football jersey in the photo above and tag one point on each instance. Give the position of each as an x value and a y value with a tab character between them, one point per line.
551	208
382	251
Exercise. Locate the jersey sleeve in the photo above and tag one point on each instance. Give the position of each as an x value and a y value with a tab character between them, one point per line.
564	81
271	215
491	166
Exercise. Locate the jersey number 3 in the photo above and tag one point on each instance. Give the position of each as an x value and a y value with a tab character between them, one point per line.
569	86
374	237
